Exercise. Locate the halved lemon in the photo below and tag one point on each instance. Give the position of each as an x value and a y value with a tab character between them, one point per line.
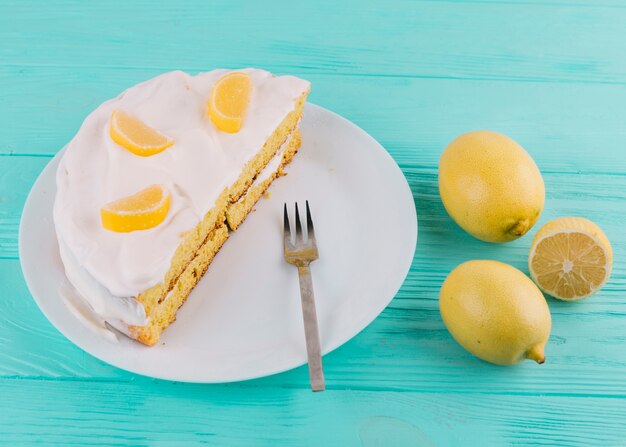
133	134
143	210
570	258
229	101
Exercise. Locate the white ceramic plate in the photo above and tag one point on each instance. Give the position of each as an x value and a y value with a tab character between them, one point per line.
243	320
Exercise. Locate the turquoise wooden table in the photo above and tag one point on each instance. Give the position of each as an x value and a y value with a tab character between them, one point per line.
550	74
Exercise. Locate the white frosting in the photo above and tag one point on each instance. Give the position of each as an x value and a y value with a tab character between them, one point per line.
108	267
118	311
77	305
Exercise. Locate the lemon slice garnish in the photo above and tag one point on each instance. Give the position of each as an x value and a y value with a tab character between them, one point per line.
143	210
229	101
133	134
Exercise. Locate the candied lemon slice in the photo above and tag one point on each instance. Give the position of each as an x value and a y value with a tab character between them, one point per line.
133	134
229	101
570	258
143	210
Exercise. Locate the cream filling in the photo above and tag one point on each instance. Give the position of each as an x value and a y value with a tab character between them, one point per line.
272	166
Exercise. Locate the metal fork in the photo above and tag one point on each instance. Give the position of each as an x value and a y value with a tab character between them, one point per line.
301	254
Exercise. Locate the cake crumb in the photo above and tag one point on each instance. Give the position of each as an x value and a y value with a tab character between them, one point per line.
267	195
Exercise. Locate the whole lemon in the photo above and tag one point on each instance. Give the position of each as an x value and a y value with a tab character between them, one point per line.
490	186
495	312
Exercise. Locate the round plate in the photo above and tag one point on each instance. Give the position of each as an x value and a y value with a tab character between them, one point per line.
243	320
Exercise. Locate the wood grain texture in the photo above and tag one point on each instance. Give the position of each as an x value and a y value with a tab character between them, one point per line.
477	40
414	74
560	124
116	414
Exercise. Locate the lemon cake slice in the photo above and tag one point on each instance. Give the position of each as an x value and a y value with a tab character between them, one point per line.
156	179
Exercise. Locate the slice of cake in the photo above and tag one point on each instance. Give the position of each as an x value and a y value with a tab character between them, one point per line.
156	179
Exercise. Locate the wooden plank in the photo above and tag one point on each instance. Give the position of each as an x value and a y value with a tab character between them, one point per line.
407	347
477	40
16	178
565	127
160	413
596	196
31	347
543	3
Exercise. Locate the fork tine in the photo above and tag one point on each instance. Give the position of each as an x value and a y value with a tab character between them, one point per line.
286	228
299	238
309	225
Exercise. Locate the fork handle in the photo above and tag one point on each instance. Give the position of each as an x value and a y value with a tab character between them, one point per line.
311	332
